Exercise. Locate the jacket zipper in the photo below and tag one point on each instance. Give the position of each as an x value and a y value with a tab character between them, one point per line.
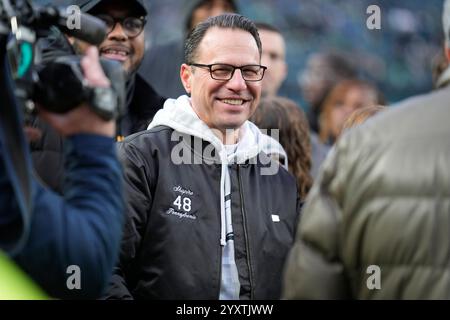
219	287
247	246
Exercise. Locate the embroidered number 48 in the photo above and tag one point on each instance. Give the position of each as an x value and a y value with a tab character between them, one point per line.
186	203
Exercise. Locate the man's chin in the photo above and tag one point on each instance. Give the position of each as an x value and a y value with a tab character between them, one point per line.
231	125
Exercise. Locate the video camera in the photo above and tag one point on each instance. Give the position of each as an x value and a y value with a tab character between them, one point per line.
57	85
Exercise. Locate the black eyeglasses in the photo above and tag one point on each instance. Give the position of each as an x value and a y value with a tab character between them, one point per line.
224	72
132	26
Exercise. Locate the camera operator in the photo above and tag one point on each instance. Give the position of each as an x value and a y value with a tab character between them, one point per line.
84	228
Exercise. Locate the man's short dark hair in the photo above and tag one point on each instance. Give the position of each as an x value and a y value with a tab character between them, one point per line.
224	21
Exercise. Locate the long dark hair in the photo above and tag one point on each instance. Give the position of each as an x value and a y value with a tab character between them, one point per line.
285	115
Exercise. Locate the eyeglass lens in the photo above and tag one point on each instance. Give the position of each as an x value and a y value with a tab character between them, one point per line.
225	72
132	26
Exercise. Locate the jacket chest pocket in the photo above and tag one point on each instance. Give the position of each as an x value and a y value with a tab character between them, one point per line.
181	203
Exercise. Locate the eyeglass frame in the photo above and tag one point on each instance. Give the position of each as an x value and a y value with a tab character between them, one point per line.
122	20
209	66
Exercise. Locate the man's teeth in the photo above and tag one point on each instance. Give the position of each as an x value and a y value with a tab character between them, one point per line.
233	101
118	52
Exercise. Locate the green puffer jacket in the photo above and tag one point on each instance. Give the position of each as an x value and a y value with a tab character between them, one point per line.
382	199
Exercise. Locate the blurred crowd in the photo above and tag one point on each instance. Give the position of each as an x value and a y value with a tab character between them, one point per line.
398	58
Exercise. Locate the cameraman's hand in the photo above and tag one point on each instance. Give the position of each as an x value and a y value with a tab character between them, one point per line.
82	119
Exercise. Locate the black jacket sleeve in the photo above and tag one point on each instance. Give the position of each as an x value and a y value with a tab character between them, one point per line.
138	204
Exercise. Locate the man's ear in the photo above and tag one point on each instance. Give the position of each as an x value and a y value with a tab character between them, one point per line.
186	77
447	53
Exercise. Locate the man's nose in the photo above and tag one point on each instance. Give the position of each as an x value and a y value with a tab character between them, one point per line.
237	82
118	32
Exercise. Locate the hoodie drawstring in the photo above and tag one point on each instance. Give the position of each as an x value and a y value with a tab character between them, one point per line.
223	164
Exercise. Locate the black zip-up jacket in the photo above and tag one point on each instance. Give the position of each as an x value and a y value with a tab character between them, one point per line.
171	246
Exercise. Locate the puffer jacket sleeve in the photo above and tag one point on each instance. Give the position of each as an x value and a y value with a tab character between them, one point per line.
314	269
138	202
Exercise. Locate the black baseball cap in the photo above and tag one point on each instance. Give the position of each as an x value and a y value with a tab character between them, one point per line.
88	5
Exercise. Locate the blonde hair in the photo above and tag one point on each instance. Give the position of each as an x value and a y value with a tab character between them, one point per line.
361	115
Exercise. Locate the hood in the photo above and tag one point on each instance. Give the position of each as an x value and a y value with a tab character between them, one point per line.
179	115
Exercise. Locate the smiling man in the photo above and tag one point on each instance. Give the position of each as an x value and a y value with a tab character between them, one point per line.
206	219
125	31
124	43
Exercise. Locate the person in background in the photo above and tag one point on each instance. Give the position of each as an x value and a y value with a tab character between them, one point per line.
286	116
322	72
124	43
375	225
344	98
273	57
161	67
